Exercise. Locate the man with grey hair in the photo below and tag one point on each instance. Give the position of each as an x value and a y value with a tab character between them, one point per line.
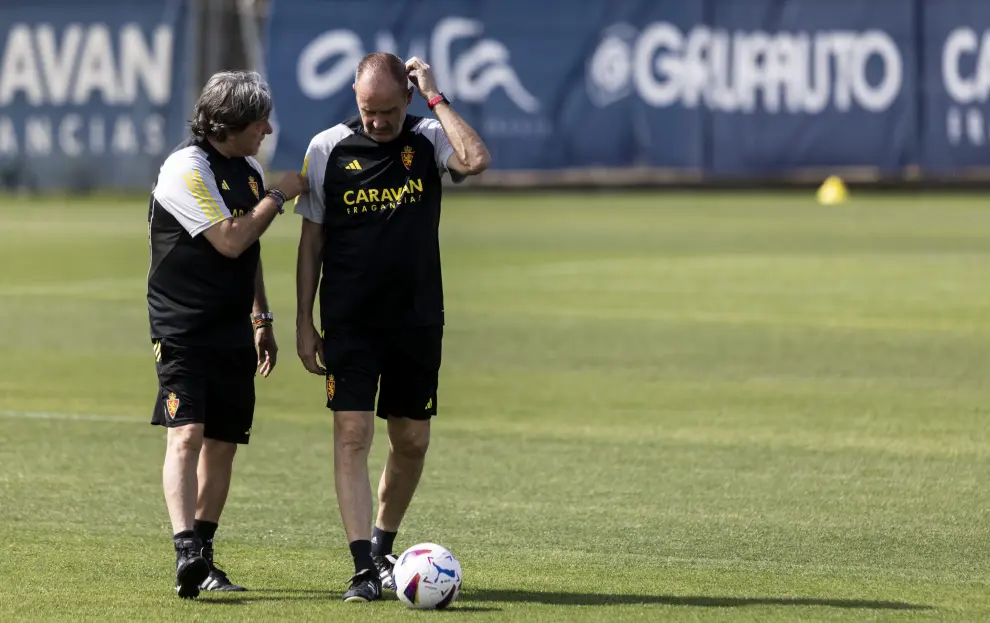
370	225
211	328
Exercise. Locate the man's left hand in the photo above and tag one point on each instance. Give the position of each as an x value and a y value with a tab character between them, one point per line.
419	74
264	339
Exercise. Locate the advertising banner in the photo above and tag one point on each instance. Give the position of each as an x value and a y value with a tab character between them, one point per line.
92	94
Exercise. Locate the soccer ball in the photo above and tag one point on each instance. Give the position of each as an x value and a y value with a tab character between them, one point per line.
427	576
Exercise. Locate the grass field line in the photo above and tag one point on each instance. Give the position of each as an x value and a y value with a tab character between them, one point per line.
957	446
703	435
84	417
69	288
821	320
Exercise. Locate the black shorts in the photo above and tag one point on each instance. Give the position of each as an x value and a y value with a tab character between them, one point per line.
406	361
206	385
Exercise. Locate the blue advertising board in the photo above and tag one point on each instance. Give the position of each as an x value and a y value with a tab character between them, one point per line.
729	87
519	82
805	83
956	94
92	94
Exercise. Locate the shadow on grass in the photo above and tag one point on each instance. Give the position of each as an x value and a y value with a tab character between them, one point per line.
289	594
589	599
573	599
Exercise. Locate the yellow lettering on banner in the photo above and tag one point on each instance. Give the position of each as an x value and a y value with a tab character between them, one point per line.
349	200
416	184
362	197
386	195
373	194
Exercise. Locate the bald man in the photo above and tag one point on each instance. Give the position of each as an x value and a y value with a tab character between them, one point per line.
370	224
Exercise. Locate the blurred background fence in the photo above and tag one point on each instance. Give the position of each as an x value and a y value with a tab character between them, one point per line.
94	93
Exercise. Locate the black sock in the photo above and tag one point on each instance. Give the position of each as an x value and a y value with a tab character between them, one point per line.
206	530
381	542
361	551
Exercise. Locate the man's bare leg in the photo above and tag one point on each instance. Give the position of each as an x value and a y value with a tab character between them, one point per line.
408	441
180	484
353	432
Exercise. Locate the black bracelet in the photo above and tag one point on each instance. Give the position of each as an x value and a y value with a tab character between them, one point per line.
279	198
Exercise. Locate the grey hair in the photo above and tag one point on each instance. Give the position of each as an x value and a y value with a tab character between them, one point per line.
230	102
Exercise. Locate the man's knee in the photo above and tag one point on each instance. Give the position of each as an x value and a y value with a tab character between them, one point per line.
185	439
411	439
221	451
353	431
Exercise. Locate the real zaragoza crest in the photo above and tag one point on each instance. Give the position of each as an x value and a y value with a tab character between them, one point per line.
172	403
407	156
253	183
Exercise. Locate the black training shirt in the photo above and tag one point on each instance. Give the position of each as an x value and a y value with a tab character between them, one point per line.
379	204
196	295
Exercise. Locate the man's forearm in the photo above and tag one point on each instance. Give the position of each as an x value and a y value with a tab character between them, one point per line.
234	235
247	229
260	297
307	276
468	146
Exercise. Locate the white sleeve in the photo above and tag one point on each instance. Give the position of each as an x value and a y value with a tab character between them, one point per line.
442	151
187	189
312	205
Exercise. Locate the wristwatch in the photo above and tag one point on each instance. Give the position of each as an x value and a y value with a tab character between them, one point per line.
264	319
436	99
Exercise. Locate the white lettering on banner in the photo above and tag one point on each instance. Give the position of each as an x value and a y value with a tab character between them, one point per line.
336	43
75	135
154	135
470	76
57	63
68	135
39	136
84	64
740	71
969	92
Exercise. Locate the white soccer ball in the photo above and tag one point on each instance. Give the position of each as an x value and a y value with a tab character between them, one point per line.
427	576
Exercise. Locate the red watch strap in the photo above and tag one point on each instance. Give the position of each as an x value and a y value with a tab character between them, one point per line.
436	99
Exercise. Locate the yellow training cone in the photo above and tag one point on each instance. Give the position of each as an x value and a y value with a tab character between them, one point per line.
832	191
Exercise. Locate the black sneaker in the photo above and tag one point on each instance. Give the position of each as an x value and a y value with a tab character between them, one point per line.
386	570
365	586
191	569
217	580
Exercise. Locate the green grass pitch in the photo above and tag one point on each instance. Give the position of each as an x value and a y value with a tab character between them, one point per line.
652	406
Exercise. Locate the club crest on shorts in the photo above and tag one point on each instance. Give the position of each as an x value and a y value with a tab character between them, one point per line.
172	404
407	156
331	386
253	183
